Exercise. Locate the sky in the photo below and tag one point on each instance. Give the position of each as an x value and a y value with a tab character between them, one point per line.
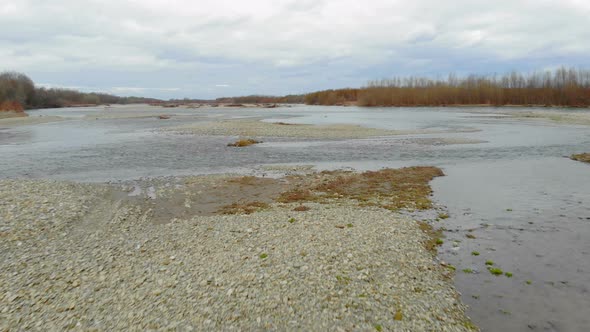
209	49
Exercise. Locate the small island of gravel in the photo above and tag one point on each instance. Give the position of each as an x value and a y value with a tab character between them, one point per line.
583	157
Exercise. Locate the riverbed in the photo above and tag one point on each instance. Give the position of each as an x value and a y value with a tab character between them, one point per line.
511	194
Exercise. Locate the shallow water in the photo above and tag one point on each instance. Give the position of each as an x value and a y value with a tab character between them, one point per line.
526	205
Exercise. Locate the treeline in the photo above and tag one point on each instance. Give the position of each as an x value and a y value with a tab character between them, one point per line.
332	97
256	99
561	87
18	91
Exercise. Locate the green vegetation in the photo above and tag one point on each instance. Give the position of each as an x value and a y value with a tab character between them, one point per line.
496	271
562	87
291	220
378	328
508	274
489	262
509	210
528	282
263	256
475	253
349	225
439	242
468	270
443	216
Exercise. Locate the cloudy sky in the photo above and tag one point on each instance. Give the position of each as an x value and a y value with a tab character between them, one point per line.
206	49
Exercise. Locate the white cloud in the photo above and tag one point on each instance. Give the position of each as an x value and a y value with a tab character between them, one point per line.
198	37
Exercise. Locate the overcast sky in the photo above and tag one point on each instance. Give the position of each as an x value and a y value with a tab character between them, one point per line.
206	49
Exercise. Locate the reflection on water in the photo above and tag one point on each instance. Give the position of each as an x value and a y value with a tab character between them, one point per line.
527	206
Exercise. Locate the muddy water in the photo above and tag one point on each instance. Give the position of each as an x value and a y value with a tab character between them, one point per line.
524	205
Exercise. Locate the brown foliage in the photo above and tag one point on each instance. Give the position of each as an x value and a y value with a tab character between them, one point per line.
563	87
14	106
244	142
392	188
297	195
332	97
388	188
583	157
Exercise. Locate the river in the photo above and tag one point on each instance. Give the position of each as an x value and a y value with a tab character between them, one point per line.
512	195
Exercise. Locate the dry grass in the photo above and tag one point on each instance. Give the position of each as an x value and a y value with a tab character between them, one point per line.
244	142
389	188
243	208
583	157
297	195
393	189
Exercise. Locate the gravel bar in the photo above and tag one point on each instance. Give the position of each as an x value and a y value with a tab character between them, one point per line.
74	257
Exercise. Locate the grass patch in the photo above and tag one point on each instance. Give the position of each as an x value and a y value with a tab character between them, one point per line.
489	262
297	195
244	142
443	216
393	188
508	274
263	256
433	236
496	271
243	208
467	270
475	253
583	157
291	220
